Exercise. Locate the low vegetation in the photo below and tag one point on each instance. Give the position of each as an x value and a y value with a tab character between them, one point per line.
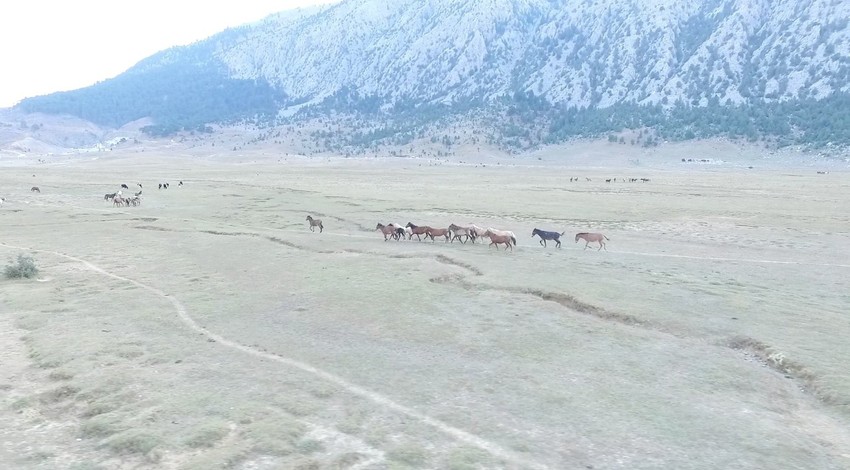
22	268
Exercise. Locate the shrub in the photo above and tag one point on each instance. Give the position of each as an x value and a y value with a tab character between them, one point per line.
24	268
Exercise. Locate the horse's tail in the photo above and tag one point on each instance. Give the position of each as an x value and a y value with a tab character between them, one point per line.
513	239
603	236
562	233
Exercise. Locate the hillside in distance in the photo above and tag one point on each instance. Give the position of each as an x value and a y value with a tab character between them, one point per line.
535	71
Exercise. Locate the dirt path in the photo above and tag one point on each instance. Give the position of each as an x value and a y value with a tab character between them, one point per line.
459	434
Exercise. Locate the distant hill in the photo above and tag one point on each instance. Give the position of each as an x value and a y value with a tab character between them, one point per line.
532	71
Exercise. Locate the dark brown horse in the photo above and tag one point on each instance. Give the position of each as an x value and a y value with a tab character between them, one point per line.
592	238
437	232
417	230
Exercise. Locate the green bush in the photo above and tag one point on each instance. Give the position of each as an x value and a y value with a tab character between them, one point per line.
24	268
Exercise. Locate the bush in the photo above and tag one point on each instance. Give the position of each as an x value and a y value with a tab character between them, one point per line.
24	268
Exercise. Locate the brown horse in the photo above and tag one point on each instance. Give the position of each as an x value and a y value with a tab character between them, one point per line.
592	238
437	232
507	240
416	230
387	230
315	223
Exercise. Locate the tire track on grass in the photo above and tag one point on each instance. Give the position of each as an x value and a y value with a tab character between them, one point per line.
466	437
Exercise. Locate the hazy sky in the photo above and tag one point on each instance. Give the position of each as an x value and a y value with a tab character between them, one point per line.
55	45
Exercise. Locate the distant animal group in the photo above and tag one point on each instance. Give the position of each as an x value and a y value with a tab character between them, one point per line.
471	233
119	200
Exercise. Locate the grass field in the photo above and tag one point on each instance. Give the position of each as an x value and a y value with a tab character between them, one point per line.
209	328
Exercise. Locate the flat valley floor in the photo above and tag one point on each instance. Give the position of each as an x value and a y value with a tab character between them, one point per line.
209	328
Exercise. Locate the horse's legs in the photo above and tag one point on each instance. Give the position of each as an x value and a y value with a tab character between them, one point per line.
321	228
542	242
558	243
586	243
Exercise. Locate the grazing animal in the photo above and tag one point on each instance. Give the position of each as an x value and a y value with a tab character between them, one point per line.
495	239
458	231
160	185
315	223
124	186
592	238
387	230
544	235
109	197
35	189
438	232
417	230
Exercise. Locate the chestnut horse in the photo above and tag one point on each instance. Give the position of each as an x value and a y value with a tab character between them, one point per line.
592	238
437	232
508	240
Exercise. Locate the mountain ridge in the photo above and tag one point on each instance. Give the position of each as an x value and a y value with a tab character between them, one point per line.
707	67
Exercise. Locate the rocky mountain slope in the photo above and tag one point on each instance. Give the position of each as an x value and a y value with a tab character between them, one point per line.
751	68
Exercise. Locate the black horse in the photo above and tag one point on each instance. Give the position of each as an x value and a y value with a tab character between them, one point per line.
544	235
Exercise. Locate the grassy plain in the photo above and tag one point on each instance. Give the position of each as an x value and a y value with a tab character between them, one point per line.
209	328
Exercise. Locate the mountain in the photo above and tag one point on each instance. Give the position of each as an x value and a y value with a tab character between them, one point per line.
545	70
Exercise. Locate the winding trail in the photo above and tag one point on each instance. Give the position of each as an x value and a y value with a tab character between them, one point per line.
492	448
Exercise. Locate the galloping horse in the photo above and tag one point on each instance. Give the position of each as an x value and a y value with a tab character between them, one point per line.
315	223
437	232
416	230
458	231
503	233
387	230
592	237
495	239
544	235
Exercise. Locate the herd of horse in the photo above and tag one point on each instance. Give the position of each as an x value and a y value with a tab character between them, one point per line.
469	233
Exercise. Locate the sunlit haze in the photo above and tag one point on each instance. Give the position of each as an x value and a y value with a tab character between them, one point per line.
63	45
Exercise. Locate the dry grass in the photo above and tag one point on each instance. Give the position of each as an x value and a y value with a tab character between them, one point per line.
568	358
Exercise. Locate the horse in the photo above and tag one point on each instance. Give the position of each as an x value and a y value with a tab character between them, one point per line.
124	186
118	201
160	185
35	189
458	231
592	237
544	235
504	233
437	232
400	231
416	230
138	194
107	197
387	230
495	239
315	223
